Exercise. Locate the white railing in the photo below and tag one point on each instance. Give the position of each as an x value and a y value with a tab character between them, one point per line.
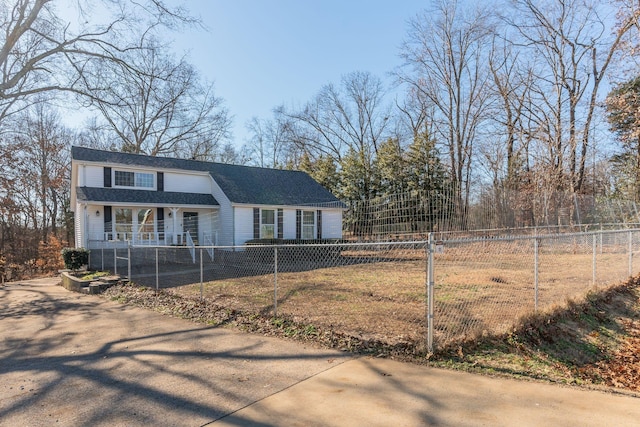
210	240
191	245
150	238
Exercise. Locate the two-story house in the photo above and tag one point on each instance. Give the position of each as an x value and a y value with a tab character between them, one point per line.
135	199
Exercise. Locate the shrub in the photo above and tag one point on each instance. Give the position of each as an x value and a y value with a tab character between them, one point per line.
74	258
49	255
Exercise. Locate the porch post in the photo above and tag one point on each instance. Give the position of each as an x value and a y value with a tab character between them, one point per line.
174	218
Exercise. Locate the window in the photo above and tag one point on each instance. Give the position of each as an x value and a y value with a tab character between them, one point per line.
124	179
144	180
267	224
146	227
308	225
133	179
124	222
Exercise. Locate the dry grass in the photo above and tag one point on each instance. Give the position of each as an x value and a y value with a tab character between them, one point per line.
480	290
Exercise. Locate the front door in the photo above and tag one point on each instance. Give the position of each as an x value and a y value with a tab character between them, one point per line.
190	224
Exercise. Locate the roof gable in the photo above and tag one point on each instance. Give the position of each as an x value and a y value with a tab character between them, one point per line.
241	184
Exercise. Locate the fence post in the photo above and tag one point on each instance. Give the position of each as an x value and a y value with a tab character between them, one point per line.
430	285
630	253
115	261
129	261
201	278
595	249
275	281
536	250
157	275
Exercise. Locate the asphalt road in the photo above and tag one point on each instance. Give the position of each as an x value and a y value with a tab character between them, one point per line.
69	359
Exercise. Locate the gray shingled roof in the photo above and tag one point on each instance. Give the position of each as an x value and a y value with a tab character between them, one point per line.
114	195
241	184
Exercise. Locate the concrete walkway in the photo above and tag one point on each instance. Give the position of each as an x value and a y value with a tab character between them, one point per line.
77	360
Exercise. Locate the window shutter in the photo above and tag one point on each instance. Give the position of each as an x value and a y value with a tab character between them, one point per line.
107	178
280	224
160	222
160	181
108	228
319	224
256	223
298	224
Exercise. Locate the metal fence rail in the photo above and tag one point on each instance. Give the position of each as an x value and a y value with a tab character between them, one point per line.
428	293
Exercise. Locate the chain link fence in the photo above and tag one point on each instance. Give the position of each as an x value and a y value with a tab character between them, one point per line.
428	293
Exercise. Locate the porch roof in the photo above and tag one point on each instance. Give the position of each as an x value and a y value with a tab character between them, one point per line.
122	195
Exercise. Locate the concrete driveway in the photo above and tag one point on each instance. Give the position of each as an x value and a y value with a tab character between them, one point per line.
78	360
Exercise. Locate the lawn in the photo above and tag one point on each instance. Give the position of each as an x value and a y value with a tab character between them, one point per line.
480	288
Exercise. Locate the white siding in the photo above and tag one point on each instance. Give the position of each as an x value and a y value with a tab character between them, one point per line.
91	176
95	225
187	183
243	217
225	227
289	224
331	224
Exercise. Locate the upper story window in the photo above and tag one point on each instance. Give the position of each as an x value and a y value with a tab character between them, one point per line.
133	179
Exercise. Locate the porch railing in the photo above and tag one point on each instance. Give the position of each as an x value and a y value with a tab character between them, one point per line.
141	238
191	246
210	240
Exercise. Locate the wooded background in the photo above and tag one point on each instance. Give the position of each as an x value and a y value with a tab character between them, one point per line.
511	101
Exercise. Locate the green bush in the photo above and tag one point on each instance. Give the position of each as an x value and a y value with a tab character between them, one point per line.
75	258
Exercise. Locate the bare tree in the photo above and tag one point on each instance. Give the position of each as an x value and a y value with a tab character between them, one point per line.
158	105
512	82
40	51
348	120
34	185
445	63
270	140
573	47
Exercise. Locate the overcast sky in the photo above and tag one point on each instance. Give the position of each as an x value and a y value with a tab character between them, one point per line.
263	53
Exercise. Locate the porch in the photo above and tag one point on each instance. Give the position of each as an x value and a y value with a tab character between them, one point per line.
123	239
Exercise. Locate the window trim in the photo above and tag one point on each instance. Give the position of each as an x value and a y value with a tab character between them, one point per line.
274	224
306	226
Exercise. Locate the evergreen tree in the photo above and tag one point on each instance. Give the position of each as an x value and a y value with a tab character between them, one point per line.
324	170
390	168
425	171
